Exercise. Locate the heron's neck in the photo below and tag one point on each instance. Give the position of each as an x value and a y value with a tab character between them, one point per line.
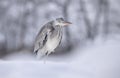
59	28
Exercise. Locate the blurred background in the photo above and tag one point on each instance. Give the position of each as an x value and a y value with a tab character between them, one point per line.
21	20
90	47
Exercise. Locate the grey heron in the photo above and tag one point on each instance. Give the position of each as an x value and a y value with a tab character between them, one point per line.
49	37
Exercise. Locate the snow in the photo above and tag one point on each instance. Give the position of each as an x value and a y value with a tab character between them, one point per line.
98	60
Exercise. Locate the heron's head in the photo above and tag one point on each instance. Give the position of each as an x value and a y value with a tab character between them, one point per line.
61	22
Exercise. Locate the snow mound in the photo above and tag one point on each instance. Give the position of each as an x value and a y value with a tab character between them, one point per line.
98	60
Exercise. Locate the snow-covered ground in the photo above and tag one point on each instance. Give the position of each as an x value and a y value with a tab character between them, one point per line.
98	60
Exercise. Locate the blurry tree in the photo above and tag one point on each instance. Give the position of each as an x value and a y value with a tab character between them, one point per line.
102	11
105	7
86	19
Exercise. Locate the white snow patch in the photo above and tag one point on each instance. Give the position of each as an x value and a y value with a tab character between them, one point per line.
98	60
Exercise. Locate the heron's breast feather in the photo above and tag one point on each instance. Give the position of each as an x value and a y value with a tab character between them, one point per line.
51	44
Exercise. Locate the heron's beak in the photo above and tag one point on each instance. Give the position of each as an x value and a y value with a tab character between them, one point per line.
67	23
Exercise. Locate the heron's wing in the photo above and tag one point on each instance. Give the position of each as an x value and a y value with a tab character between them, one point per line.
60	35
60	40
41	38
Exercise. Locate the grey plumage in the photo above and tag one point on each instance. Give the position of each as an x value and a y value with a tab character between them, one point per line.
49	37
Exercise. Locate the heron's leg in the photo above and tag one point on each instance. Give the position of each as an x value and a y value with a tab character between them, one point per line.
39	55
46	56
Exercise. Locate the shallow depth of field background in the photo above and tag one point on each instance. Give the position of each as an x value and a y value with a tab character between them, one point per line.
90	47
